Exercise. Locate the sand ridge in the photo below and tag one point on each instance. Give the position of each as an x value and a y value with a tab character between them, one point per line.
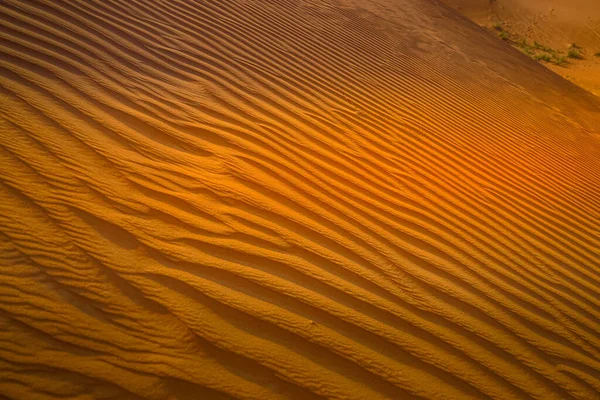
248	199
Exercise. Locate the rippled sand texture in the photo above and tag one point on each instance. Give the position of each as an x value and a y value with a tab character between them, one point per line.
286	199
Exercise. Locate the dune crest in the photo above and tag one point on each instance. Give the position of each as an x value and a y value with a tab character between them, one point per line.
288	200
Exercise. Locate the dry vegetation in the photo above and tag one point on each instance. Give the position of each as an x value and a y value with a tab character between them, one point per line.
538	51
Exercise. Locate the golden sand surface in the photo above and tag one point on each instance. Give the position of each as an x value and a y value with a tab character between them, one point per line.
556	25
291	199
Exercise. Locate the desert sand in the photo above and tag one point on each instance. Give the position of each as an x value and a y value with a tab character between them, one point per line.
291	199
555	25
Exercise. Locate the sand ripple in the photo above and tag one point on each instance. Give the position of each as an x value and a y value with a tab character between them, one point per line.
291	199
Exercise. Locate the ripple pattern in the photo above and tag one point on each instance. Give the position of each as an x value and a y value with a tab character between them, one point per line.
288	199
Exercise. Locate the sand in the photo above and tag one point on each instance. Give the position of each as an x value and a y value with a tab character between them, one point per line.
554	24
343	199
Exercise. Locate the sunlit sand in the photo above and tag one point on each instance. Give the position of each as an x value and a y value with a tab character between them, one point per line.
341	199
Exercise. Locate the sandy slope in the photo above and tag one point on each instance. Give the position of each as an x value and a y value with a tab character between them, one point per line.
556	24
291	199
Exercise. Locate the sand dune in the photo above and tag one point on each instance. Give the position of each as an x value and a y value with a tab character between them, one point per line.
547	28
288	199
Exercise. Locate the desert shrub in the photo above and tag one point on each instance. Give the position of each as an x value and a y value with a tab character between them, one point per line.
560	60
528	50
574	53
540	46
543	57
525	47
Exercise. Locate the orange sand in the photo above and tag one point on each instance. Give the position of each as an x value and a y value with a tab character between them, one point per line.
291	199
556	24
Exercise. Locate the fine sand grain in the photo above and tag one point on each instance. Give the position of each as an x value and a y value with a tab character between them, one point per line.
291	199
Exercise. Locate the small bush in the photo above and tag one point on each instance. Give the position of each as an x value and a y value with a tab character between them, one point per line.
574	53
540	46
525	47
597	54
560	60
543	57
503	35
497	26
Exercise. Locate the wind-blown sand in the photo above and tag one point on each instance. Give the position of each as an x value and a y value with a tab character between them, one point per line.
344	199
554	25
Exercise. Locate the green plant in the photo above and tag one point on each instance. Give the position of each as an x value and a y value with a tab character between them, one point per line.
574	53
560	60
503	35
528	50
540	46
497	26
543	57
525	47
